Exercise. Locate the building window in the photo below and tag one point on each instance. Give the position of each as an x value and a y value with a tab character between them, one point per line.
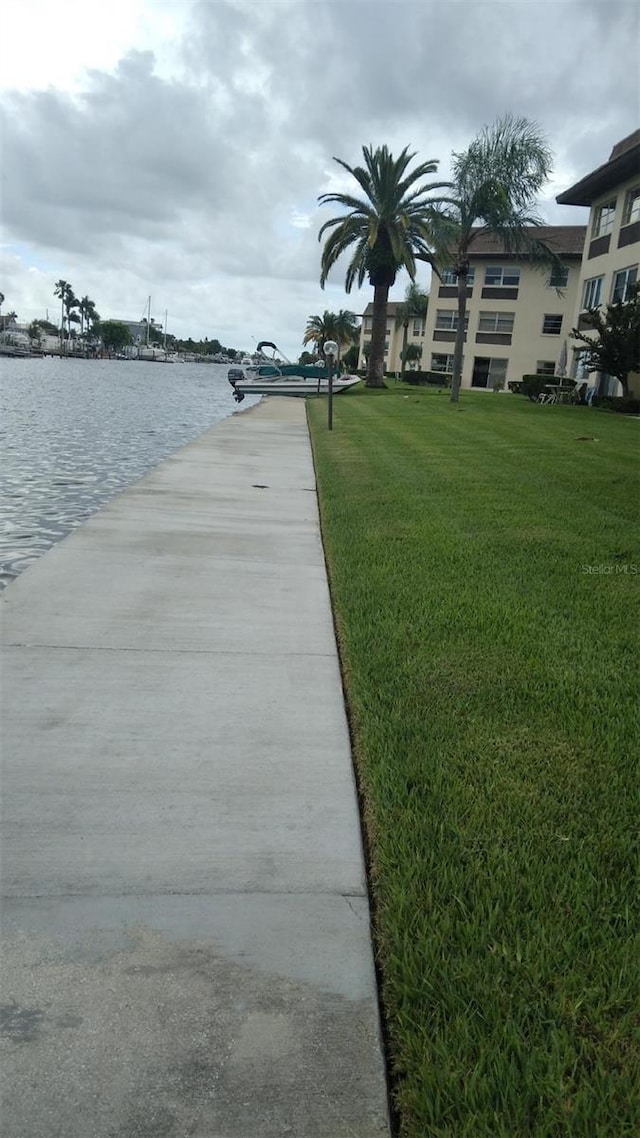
368	324
631	207
441	362
545	367
489	372
418	328
447	320
592	292
603	219
449	277
552	324
497	275
496	321
497	370
623	282
559	277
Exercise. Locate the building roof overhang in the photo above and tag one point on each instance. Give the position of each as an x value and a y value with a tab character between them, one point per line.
566	241
622	165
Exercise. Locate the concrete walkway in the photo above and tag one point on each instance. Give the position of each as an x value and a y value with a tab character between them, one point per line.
186	926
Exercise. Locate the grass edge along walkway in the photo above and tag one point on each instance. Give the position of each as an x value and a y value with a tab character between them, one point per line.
485	566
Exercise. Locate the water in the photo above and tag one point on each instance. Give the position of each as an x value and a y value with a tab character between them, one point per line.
75	432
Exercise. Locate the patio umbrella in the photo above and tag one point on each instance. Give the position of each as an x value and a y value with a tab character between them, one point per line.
561	366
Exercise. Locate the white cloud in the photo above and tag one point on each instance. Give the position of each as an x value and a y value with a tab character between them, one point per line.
178	149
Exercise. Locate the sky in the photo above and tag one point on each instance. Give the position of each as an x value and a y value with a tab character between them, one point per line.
176	148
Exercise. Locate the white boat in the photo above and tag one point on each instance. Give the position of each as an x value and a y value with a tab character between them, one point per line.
275	377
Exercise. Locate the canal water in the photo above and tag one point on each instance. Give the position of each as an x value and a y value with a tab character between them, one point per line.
75	432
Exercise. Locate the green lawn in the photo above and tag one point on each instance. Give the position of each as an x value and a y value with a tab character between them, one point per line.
491	680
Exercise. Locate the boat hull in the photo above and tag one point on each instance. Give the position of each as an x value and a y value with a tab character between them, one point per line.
288	385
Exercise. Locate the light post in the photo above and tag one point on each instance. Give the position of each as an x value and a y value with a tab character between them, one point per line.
330	350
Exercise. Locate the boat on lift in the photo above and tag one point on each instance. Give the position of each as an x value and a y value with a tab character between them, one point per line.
277	376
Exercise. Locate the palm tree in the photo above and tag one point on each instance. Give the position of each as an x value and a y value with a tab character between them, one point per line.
347	330
413	307
319	329
494	186
412	352
389	228
60	289
70	303
92	317
86	308
341	327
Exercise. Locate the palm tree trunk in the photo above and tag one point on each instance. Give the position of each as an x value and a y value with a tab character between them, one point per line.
375	371
459	344
403	357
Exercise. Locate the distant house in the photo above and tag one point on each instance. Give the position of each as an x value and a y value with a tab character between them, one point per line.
612	250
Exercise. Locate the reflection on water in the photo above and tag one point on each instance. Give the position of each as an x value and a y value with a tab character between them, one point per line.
75	432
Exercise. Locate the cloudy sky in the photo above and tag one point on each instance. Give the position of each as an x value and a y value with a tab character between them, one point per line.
176	148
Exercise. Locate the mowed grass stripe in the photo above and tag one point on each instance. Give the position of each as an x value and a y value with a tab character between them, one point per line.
492	687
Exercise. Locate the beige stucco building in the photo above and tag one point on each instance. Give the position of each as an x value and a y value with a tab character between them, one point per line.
393	338
612	249
518	316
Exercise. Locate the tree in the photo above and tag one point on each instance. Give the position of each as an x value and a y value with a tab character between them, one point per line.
320	329
62	289
347	330
614	349
115	335
341	327
389	228
350	358
307	358
44	326
409	354
88	315
494	186
413	307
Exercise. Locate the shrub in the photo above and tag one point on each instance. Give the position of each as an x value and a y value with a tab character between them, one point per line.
424	378
623	404
533	385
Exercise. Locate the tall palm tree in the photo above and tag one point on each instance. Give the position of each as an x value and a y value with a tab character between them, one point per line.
71	303
388	228
413	307
83	310
61	289
91	314
495	183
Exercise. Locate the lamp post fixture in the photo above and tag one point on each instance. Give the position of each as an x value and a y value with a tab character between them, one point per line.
330	350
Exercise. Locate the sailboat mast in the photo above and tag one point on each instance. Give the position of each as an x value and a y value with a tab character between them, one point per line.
148	319
166	317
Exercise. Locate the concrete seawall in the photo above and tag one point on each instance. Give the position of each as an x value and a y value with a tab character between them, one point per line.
185	916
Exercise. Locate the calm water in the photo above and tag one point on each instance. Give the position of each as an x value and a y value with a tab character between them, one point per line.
73	433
